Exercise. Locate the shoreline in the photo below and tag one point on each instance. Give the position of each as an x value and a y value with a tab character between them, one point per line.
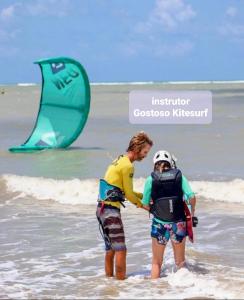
190	82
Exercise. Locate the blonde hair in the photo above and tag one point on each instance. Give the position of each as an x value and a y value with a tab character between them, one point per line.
139	141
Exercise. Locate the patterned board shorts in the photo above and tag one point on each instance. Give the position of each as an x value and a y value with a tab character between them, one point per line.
163	232
112	228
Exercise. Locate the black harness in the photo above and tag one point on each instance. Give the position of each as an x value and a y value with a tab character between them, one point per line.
167	196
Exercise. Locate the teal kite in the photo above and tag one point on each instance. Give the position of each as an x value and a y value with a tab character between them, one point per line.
64	105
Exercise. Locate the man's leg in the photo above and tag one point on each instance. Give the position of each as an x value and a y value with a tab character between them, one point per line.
115	243
120	264
109	263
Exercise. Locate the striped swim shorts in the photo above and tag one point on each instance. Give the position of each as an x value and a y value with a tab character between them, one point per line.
112	228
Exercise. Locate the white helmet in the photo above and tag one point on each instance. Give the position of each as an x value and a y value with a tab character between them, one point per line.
163	155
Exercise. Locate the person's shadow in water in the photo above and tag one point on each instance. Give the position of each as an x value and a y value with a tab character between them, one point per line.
198	268
145	274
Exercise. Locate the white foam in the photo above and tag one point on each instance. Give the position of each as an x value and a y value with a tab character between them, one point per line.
141	243
45	276
231	191
182	284
84	254
26	84
73	191
170	82
207	82
195	284
7	265
124	83
190	82
78	191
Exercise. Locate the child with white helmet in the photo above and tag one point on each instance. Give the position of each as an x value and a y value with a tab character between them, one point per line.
163	196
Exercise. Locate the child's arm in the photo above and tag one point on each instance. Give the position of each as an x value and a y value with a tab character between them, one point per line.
189	194
192	202
146	207
147	193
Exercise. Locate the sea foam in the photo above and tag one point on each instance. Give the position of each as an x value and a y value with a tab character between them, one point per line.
77	191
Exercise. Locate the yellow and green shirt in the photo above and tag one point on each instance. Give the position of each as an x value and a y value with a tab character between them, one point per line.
120	173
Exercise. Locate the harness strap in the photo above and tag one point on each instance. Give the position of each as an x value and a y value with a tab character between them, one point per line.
103	231
102	207
102	204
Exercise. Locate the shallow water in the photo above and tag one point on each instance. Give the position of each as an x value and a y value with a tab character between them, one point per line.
202	150
50	246
53	250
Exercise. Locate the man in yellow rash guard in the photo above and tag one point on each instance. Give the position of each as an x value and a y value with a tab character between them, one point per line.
120	174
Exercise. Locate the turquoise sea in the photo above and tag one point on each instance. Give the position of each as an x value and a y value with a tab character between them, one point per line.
50	246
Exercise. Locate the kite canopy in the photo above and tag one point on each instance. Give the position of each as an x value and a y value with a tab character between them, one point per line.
64	105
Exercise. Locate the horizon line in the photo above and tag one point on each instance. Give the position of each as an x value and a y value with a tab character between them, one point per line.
138	82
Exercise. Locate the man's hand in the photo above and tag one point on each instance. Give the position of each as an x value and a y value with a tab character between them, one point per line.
139	205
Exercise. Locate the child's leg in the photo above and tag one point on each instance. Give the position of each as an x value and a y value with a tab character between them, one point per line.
179	253
178	240
157	258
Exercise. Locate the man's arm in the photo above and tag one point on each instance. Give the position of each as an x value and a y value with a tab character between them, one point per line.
127	175
139	195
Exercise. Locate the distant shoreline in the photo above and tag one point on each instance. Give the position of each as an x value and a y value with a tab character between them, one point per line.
206	82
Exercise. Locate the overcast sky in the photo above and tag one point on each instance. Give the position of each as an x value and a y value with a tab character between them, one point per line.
124	40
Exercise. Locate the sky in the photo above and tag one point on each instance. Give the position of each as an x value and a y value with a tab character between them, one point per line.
124	40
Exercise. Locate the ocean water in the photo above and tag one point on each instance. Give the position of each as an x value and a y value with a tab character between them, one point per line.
50	246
